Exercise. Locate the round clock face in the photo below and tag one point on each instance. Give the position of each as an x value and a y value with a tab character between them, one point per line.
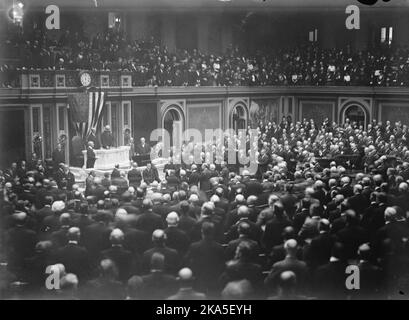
85	79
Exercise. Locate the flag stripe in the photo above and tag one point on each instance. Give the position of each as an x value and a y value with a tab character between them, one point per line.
86	111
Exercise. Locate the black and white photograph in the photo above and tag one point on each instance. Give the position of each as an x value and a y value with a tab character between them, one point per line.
228	151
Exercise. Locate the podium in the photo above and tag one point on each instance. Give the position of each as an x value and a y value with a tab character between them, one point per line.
108	158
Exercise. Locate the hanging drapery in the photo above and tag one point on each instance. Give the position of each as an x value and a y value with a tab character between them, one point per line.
86	109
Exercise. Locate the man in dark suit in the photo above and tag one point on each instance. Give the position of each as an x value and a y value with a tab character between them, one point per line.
96	236
186	222
402	199
172	258
243	231
20	243
58	156
74	257
116	173
45	211
172	181
186	291
106	286
290	263
107	139
358	202
346	189
206	215
370	276
206	259
135	240
373	218
329	279
149	221
319	192
204	178
158	284
149	174
69	177
59	238
92	137
243	216
253	187
134	176
194	176
91	157
274	228
232	216
319	250
353	235
59	175
396	229
142	148
176	238
278	252
128	263
121	182
52	222
243	267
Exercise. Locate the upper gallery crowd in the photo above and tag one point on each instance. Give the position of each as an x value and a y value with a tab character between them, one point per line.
153	65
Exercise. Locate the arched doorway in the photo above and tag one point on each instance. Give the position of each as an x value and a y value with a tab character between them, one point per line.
355	113
239	118
172	122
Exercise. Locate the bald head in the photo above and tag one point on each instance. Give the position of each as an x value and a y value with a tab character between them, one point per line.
147	204
172	219
390	214
240	199
243	211
116	237
251	200
287	281
158	236
193	198
207	209
214	198
185	274
73	234
20	217
290	247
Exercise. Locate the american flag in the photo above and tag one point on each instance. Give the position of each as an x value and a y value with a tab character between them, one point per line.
86	109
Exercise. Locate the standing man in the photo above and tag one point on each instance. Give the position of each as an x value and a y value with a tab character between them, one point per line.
90	155
58	156
93	137
134	176
107	139
142	148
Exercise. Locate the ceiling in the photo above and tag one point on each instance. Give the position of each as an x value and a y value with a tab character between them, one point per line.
212	4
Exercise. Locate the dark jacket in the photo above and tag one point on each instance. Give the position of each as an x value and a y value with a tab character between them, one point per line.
75	259
206	259
128	263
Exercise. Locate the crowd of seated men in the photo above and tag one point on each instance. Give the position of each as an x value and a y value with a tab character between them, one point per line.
153	65
208	231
